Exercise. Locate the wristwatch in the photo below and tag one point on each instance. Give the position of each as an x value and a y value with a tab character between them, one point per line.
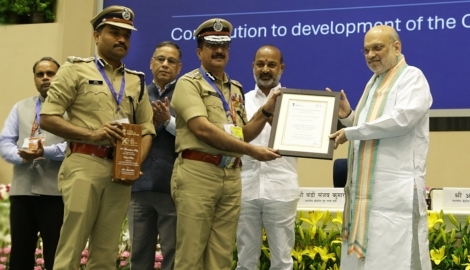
266	113
166	122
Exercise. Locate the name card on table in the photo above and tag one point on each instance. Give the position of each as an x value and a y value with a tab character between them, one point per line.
314	198
456	198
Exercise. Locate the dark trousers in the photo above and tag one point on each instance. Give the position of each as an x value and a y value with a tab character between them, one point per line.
28	216
150	214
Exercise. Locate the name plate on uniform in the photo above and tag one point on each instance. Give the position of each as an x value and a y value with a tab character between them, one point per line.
128	153
456	198
321	198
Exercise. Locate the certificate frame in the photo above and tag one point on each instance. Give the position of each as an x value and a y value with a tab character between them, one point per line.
302	121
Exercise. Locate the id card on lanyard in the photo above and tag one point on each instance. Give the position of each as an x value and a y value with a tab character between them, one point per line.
121	117
230	128
31	143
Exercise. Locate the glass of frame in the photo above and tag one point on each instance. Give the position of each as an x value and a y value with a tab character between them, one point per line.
302	121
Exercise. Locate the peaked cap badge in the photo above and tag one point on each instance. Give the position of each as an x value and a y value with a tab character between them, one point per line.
126	14
218	25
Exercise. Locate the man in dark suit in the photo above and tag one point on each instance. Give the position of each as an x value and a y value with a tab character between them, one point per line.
152	211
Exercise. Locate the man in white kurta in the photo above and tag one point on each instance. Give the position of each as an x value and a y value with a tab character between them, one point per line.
270	190
385	220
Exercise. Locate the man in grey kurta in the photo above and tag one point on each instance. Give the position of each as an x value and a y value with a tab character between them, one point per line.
36	203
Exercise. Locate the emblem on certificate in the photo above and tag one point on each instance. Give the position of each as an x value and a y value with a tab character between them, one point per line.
127	153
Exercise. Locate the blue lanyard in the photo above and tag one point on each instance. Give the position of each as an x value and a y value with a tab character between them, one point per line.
38	115
224	102
118	98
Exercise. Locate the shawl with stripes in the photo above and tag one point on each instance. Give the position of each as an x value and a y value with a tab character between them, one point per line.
357	210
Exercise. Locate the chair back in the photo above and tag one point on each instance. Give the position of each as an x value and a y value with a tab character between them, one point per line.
340	172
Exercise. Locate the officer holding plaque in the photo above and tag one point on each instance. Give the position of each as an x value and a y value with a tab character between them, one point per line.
35	201
101	98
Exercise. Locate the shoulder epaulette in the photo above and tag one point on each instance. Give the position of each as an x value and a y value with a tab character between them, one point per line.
139	73
75	59
237	83
142	81
193	74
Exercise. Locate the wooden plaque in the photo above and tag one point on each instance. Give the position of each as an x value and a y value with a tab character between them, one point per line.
33	142
127	153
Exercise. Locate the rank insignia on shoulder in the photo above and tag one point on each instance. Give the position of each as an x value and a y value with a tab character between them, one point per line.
212	77
194	74
139	73
75	59
237	83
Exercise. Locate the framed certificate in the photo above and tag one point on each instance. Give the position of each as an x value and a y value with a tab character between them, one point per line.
302	121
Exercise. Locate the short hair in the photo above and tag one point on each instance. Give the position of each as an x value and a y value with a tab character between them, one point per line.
200	42
274	47
170	44
46	58
100	28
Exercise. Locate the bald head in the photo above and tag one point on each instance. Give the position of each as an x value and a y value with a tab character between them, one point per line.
270	49
382	48
386	31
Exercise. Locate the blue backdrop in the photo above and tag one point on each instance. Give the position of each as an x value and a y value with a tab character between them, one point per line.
320	40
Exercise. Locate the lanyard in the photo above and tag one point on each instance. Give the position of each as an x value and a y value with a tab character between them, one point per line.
36	126
118	98
229	111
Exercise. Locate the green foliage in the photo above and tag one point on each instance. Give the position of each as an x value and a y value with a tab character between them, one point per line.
27	7
317	243
23	7
449	249
5	5
5	9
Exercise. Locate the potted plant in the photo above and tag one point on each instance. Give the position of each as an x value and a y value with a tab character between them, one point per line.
39	10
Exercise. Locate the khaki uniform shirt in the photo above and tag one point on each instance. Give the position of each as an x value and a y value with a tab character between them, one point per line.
80	89
194	97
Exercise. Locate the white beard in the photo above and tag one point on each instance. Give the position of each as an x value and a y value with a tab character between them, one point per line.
271	83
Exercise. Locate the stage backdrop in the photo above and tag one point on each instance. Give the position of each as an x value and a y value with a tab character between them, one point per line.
321	40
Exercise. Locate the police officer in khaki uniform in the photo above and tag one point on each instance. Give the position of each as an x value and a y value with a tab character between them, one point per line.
211	135
98	95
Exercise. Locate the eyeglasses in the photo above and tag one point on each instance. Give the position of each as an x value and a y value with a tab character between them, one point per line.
375	48
215	46
171	61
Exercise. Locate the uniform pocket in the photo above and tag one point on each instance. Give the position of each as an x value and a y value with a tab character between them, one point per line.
214	107
96	96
